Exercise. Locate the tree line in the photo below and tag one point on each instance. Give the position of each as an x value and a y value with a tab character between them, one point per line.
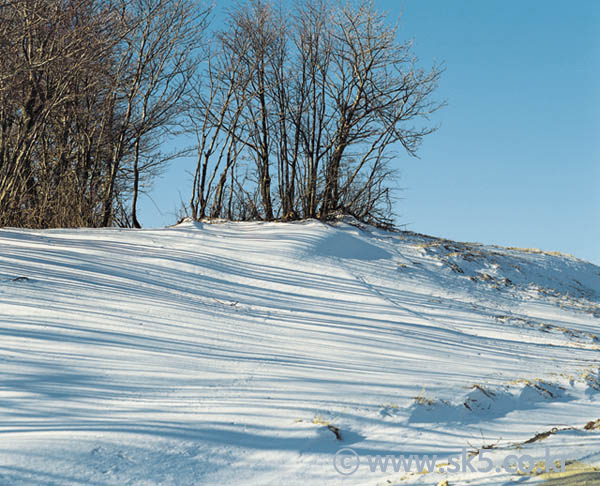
296	109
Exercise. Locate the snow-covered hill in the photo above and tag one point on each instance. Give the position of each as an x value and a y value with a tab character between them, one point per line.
234	353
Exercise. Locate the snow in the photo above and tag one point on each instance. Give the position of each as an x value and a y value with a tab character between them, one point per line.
213	354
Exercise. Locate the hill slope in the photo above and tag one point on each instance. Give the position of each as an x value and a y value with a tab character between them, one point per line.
220	353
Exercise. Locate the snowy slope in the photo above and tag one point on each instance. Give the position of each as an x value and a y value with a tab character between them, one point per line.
217	354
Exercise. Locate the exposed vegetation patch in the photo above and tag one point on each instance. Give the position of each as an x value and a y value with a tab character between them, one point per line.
319	420
592	425
576	474
548	328
540	252
423	399
591	378
504	270
543	435
483	402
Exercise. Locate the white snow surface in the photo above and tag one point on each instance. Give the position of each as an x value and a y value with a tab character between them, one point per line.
217	354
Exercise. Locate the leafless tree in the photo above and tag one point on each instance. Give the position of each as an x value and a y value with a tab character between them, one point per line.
321	98
216	104
379	94
162	49
50	59
259	27
88	91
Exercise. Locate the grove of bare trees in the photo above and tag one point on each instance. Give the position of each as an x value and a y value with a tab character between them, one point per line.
88	91
296	109
301	108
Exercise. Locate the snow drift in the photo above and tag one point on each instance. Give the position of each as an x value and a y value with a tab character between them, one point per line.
213	354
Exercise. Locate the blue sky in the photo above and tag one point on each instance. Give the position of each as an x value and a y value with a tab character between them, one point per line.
516	160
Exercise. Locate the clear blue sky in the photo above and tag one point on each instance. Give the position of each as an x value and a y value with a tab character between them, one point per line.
516	160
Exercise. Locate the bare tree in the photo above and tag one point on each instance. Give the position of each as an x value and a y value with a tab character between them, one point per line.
379	93
156	60
216	105
164	48
89	89
321	99
50	59
258	34
233	115
312	108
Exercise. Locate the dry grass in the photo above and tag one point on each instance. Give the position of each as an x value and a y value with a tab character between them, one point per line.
539	252
319	420
592	425
423	399
576	473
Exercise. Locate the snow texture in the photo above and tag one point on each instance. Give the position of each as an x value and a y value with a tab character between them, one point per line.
221	354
